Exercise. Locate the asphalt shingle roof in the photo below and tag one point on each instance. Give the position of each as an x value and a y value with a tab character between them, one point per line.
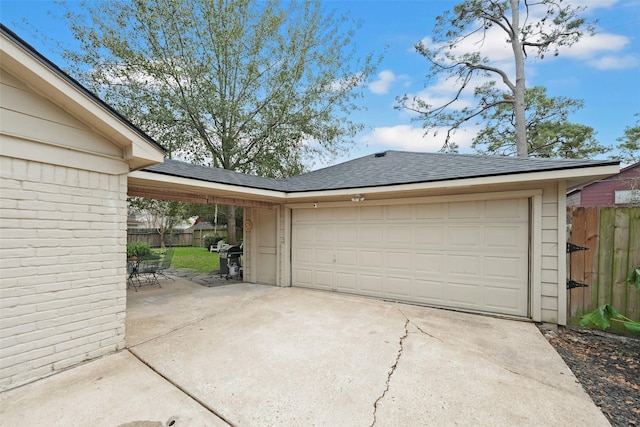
383	169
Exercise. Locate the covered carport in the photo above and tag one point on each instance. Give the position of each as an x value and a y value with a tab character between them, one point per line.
258	196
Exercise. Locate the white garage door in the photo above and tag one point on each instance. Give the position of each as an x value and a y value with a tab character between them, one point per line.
468	255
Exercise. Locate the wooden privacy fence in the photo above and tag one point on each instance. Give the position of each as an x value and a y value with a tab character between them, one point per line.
612	236
151	237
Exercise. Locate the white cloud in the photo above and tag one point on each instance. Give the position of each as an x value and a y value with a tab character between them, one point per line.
381	86
589	46
406	137
611	62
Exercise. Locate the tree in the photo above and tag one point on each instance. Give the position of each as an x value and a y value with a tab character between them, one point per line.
163	215
629	147
244	85
549	133
456	52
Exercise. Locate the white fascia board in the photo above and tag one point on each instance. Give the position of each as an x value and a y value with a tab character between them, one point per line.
173	182
587	174
61	92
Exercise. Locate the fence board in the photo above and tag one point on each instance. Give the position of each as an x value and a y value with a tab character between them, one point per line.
605	255
619	270
577	260
633	294
592	232
152	238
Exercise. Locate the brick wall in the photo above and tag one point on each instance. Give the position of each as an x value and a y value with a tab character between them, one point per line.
62	263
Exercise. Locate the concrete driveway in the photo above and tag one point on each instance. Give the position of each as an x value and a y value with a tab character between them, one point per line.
251	355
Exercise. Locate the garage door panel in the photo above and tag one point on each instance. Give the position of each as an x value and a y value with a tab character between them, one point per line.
347	234
347	257
346	282
507	209
430	291
463	294
371	259
400	212
399	287
430	211
303	255
459	236
429	262
347	214
506	237
398	235
368	213
394	260
370	235
325	234
503	299
370	284
432	235
304	234
468	265
324	279
468	255
465	210
504	267
324	256
303	277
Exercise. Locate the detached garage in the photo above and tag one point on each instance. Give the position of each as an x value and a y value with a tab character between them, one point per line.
474	233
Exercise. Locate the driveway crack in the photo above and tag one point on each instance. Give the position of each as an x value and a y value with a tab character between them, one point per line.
392	370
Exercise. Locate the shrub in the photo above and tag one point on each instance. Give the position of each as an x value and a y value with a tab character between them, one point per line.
211	241
138	249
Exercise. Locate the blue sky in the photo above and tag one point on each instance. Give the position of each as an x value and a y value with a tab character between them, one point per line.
603	70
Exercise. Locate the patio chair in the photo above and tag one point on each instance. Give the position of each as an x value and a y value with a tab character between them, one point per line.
133	267
165	264
149	268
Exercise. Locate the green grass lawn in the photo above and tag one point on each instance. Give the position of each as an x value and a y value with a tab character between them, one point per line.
199	259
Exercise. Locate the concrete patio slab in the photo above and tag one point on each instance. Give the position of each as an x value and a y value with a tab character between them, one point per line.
259	355
288	356
115	391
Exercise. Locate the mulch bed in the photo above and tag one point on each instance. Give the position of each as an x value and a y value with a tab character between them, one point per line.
607	366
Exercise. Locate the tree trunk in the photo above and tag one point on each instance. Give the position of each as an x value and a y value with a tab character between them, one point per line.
518	94
231	225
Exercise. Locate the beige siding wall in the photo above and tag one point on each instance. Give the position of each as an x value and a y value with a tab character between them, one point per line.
63	283
549	274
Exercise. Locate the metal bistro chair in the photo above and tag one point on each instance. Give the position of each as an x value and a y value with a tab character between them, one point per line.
133	271
149	268
165	264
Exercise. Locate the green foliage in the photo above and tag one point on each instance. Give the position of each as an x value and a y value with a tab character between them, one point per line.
549	133
244	85
211	241
629	144
163	215
199	259
604	315
137	249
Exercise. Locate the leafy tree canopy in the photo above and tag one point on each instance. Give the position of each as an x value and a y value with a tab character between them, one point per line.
629	147
247	85
461	50
549	133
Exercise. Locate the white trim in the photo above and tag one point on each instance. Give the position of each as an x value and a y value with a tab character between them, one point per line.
140	178
526	177
536	257
562	253
518	194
